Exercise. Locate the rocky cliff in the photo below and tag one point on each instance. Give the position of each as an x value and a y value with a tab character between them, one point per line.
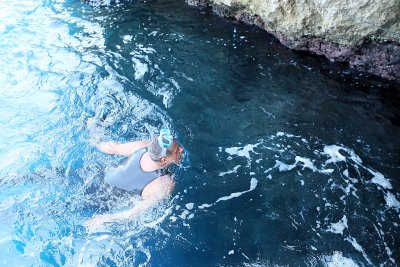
364	33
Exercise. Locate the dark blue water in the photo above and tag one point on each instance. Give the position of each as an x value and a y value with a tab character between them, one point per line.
291	160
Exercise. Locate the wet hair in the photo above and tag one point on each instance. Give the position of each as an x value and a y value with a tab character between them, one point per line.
155	150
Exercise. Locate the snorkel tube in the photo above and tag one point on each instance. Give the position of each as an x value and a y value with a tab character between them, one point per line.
165	140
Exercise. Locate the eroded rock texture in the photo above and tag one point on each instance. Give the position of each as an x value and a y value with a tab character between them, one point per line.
364	33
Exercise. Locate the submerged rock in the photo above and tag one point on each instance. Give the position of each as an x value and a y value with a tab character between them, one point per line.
364	33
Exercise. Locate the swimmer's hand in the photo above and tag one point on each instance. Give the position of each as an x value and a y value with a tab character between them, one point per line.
108	147
97	222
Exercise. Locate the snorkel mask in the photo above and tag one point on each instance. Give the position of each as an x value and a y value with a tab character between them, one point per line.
165	140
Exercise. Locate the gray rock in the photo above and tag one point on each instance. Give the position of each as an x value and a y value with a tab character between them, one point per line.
364	33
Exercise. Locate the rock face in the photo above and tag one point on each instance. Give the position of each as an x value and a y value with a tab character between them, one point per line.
364	33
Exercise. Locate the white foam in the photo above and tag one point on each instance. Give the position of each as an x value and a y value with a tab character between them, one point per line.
127	38
389	253
241	151
333	152
307	163
189	206
338	260
147	50
231	252
253	185
270	169
392	201
336	156
244	255
284	167
205	206
152	224
326	171
140	68
338	227
234	170
379	179
354	157
175	83
346	174
357	246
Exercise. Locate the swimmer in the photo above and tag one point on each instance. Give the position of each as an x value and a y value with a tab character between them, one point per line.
145	172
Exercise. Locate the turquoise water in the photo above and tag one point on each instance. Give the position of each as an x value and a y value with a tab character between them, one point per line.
290	159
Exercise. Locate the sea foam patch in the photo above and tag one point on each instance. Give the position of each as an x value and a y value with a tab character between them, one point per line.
241	151
335	156
348	180
283	166
140	68
358	247
338	227
379	179
306	163
333	151
234	170
127	38
391	201
284	134
337	259
253	185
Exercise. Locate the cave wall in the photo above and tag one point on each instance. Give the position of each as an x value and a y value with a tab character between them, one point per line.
363	33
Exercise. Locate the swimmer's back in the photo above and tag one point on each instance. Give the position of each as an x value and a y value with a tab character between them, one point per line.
130	175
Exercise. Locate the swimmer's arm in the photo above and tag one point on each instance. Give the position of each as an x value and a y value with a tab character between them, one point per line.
158	190
99	220
162	188
122	149
140	207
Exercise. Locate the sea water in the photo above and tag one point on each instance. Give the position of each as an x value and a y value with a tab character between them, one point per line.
290	160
